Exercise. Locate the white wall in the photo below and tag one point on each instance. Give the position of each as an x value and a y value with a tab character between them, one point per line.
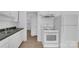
58	12
34	24
70	19
9	15
29	20
6	20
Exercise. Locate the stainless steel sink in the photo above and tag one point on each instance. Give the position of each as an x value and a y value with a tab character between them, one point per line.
6	32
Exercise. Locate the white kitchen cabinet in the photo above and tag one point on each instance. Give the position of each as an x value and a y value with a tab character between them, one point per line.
71	19
16	39
4	43
13	41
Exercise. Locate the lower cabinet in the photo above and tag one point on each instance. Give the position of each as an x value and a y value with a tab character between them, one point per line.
13	41
4	43
16	39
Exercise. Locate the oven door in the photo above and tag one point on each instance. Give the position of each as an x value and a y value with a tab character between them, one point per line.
51	37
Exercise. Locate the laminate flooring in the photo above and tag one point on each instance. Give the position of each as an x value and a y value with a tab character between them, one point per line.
31	42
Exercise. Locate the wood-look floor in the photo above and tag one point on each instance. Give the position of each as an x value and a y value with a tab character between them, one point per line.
31	42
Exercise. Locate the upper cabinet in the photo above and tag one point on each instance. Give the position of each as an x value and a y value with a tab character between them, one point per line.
70	20
9	16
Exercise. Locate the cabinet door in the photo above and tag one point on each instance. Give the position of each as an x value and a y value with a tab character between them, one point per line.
69	33
16	39
13	40
70	19
4	43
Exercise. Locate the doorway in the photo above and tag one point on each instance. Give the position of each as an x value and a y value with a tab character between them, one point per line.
32	31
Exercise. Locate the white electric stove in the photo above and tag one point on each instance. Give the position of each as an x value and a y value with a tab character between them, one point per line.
50	38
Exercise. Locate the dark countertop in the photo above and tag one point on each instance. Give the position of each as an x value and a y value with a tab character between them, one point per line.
10	32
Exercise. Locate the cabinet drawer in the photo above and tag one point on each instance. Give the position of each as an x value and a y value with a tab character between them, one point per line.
15	40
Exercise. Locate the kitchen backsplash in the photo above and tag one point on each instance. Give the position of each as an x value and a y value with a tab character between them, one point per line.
5	21
6	24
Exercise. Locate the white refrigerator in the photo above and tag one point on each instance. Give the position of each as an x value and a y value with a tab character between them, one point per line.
69	28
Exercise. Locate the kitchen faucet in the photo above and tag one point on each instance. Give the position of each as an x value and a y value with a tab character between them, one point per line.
6	30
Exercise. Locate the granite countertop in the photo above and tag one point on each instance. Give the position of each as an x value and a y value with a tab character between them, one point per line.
10	32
